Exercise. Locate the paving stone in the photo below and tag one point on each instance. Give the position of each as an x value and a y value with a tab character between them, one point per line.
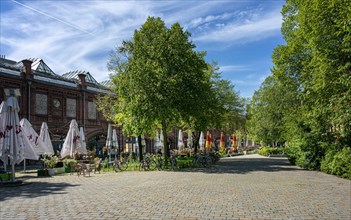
246	187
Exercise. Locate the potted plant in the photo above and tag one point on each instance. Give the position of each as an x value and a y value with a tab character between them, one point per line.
50	163
69	163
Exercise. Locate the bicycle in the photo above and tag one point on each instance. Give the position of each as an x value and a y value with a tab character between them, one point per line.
201	160
174	163
215	157
120	165
159	162
147	163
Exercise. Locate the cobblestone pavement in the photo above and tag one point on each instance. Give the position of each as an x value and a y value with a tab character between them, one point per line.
245	187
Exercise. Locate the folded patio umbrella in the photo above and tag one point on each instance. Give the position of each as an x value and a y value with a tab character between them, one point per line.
115	142
221	142
83	144
201	141
72	142
14	145
190	139
34	139
45	137
180	140
208	141
109	141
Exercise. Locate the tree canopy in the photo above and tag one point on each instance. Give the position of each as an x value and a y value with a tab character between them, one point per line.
160	80
309	89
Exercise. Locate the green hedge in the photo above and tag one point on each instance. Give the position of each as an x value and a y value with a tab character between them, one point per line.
266	151
338	162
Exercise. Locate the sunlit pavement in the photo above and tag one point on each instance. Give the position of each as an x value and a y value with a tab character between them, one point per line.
245	187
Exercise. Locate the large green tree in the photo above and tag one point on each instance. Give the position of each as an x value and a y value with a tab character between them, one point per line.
222	109
312	72
160	79
266	111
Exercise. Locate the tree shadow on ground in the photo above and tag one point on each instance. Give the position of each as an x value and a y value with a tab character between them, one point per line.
242	165
33	189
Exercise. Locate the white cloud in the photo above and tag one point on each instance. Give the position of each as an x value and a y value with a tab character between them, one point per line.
251	29
233	68
78	35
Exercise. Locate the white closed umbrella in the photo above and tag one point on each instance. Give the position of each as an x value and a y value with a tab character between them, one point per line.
37	143
14	146
136	150
45	137
161	140
109	141
190	139
180	140
157	142
115	142
72	142
201	141
83	143
143	143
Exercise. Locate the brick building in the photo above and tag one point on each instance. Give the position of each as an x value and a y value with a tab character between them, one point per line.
56	99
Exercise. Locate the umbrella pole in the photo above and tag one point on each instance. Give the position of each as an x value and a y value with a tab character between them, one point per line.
24	165
13	172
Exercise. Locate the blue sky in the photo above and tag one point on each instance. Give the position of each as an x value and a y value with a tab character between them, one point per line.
78	35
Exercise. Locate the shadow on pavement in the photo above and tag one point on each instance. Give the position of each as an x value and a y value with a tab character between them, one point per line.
33	189
244	165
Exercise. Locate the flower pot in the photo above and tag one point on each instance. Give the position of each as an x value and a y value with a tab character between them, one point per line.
67	169
42	172
51	172
5	176
59	170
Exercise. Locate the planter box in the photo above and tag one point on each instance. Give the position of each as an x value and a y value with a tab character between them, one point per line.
59	170
42	173
51	172
5	176
67	169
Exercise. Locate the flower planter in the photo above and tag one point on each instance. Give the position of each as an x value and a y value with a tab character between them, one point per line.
59	170
51	172
67	169
5	176
42	173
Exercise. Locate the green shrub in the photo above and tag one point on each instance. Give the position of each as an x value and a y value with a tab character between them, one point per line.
69	162
50	161
327	161
338	163
223	153
266	151
133	156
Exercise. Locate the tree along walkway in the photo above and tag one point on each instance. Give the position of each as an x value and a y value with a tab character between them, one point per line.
243	187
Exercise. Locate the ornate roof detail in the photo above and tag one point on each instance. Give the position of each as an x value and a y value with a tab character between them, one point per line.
38	65
106	83
74	75
43	72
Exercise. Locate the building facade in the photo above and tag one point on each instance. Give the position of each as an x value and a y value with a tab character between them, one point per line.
56	99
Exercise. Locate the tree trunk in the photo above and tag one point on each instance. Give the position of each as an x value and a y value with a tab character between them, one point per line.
140	148
165	143
196	141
